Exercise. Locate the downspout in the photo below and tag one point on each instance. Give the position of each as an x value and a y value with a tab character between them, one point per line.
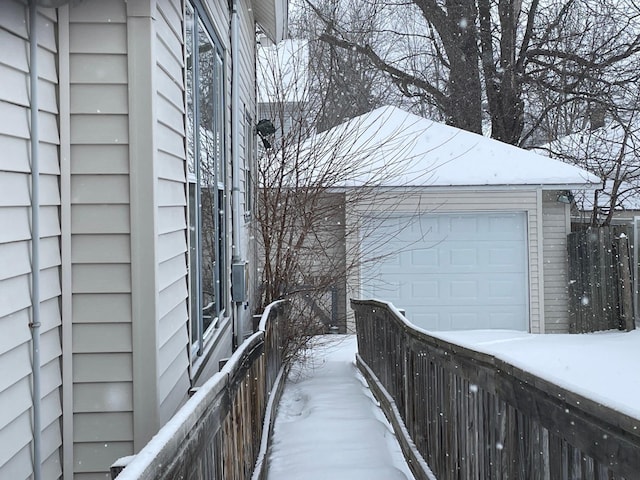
35	239
235	159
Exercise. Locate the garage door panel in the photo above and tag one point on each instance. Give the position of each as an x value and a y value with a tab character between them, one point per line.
508	224
464	290
505	255
394	259
425	257
466	258
463	225
505	320
503	289
460	321
425	319
427	290
474	289
471	269
388	290
466	318
419	228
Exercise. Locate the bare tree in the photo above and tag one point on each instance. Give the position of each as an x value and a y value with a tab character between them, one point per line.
610	151
310	240
342	78
474	59
595	78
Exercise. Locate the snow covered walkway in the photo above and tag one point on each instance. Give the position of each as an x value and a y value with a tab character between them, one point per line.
328	425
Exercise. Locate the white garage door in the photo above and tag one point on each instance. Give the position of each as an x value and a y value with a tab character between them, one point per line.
451	271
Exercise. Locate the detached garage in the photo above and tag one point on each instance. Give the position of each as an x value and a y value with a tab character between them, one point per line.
458	230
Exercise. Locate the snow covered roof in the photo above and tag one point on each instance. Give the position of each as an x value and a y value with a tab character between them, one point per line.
392	147
282	72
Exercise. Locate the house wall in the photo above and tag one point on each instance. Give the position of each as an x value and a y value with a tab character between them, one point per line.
437	200
113	227
246	145
15	246
173	337
142	284
102	350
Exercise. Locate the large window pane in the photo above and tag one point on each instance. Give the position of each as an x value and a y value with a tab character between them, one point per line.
205	168
193	192
208	157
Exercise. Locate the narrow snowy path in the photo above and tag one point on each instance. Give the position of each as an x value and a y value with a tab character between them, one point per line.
329	426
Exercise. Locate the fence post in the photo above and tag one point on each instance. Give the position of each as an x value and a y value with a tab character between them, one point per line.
600	287
626	302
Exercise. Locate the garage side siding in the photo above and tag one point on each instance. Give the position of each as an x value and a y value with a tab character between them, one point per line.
438	200
16	429
556	294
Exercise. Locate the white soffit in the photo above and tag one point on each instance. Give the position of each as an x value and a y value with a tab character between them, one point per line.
272	16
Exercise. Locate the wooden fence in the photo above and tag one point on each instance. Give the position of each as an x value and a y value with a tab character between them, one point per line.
217	435
600	280
475	417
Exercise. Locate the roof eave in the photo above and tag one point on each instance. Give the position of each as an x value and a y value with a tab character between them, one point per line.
485	187
573	186
272	16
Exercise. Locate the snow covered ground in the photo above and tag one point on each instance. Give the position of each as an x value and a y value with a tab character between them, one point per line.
328	425
602	366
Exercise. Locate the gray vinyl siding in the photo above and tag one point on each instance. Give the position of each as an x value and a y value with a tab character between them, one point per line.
15	257
247	96
461	200
246	113
556	277
266	13
173	336
100	241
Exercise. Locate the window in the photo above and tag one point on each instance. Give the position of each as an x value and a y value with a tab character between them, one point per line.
206	177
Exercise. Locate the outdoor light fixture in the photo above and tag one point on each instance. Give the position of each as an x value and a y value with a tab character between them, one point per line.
265	128
565	197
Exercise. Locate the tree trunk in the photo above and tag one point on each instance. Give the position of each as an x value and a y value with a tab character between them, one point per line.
503	84
456	26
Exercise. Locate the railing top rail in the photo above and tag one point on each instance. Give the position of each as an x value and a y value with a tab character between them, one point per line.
266	315
422	335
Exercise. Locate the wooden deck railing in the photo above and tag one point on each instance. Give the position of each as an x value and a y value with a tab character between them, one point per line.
217	434
475	417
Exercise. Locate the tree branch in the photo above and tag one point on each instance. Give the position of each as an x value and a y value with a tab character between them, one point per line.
398	76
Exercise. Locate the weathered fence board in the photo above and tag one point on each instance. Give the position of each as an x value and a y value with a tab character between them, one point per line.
475	417
600	283
217	435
